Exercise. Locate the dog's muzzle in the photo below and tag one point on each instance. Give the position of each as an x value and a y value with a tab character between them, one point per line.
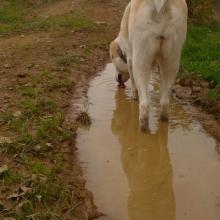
119	78
120	81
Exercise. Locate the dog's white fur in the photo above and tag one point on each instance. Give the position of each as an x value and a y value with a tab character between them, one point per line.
152	31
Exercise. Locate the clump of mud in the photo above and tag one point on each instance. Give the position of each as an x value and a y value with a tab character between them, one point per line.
84	118
199	93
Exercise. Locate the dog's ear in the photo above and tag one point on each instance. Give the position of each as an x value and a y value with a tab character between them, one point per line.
121	54
113	49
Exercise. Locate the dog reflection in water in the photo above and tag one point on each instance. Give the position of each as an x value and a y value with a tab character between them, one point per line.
146	163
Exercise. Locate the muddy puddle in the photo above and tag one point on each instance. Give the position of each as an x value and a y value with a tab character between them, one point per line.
169	173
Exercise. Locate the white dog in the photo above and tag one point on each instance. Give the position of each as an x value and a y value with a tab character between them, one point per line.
152	31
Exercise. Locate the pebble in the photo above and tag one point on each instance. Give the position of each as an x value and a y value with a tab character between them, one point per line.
17	114
196	89
3	169
31	65
7	66
182	92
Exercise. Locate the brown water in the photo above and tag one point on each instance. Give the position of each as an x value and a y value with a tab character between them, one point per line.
172	172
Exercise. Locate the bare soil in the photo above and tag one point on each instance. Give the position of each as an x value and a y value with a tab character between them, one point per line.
206	109
28	56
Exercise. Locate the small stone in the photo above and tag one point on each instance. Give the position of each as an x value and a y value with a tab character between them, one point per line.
38	148
39	197
49	145
38	67
7	66
100	22
182	92
3	169
31	65
196	89
17	114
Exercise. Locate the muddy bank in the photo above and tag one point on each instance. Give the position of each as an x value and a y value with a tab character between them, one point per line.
206	109
170	172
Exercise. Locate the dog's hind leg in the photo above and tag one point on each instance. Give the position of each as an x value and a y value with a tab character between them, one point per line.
169	67
143	57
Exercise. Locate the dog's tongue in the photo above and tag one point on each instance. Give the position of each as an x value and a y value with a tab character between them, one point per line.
121	85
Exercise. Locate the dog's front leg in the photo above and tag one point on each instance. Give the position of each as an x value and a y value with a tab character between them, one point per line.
134	91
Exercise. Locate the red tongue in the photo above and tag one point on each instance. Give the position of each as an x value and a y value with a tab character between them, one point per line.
121	85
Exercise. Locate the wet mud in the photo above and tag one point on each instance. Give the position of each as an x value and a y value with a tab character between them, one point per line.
169	173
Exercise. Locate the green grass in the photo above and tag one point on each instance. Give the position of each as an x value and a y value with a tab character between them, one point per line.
11	11
15	16
201	54
11	16
214	94
67	60
67	21
29	91
10	177
39	168
47	127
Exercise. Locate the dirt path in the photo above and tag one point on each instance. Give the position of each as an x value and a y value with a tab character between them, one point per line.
43	76
40	72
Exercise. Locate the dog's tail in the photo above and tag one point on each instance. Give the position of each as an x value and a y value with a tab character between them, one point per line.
160	5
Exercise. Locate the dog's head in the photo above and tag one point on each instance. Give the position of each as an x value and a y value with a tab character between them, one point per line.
120	61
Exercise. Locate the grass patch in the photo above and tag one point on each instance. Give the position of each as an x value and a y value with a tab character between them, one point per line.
16	16
67	60
47	127
74	21
39	168
11	11
84	118
10	177
29	91
214	94
201	54
52	81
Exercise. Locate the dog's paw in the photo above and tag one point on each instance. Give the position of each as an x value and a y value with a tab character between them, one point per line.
143	117
134	94
164	115
144	125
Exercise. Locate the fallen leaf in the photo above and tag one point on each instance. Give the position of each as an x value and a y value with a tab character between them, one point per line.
5	140
3	169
